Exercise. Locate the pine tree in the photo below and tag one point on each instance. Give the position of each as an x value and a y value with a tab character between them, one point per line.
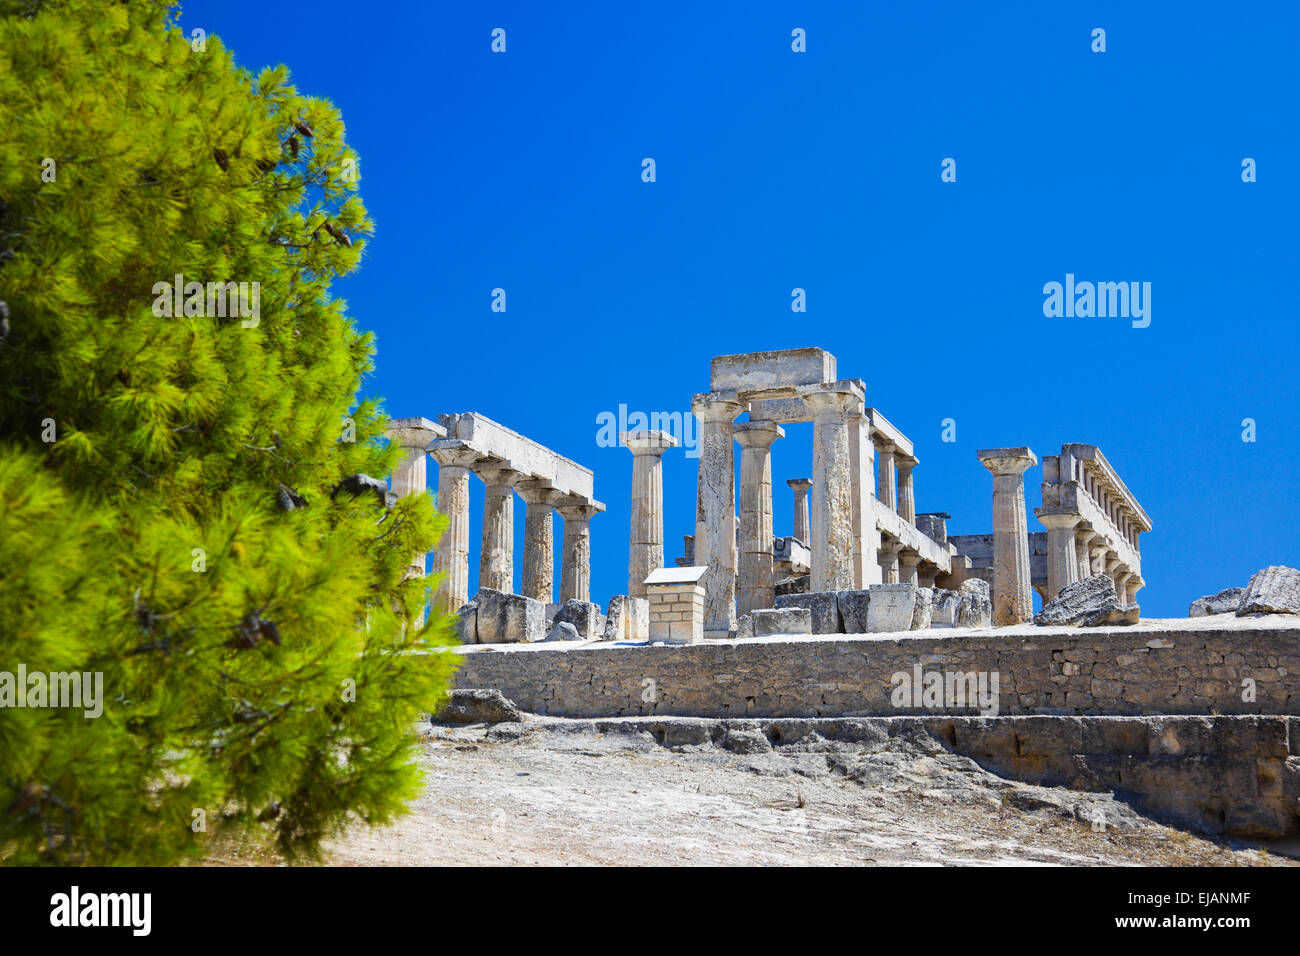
173	510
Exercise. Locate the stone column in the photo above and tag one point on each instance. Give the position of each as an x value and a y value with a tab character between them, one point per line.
575	549
801	486
890	548
906	503
496	563
908	559
715	517
451	559
646	542
755	589
1122	577
1097	550
538	577
1083	535
885	475
1062	559
832	504
1135	584
410	477
926	574
866	536
1013	600
1111	568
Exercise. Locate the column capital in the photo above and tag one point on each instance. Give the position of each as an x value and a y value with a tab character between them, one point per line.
717	406
799	484
891	546
647	442
831	404
496	473
757	434
453	453
538	491
578	506
909	556
414	432
1058	519
1007	461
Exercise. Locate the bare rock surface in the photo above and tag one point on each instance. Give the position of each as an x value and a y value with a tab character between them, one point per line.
1274	590
479	706
1225	602
556	792
1090	602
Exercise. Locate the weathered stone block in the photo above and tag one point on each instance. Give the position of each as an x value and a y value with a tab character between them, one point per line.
478	706
921	613
766	370
582	615
467	623
786	620
824	606
1274	590
509	618
563	631
1225	602
944	606
853	610
628	619
891	607
1089	602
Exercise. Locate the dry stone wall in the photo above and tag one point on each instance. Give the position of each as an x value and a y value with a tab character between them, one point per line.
1165	668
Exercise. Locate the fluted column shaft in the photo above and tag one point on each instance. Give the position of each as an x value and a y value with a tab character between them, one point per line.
575	549
538	576
800	487
885	475
756	536
646	540
906	501
715	518
496	568
451	558
1062	557
1013	600
832	499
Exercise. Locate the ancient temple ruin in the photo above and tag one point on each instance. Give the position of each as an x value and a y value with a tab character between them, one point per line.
856	538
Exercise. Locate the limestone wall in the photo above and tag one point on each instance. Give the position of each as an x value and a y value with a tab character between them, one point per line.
1195	666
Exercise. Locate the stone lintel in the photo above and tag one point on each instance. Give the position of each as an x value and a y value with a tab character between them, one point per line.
493	440
757	371
414	432
883	430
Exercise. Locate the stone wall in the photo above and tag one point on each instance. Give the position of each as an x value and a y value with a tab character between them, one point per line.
1157	667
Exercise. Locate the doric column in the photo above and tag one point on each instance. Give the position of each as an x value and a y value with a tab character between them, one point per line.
801	521
755	590
410	477
832	502
496	563
715	517
1062	559
538	577
646	542
451	559
908	559
885	475
926	574
1111	566
1013	600
1083	535
575	550
1122	577
1097	551
888	555
906	503
1135	584
866	536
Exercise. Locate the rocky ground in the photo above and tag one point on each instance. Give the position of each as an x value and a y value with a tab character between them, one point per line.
556	792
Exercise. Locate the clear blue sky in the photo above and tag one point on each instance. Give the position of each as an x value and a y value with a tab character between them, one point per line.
821	170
